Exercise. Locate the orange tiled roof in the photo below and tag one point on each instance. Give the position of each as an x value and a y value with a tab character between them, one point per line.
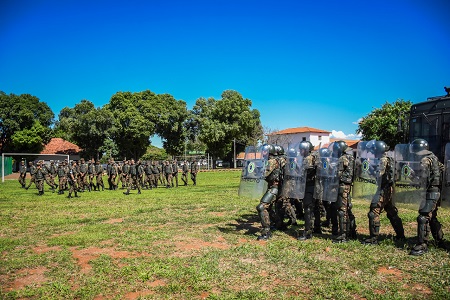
299	130
60	146
351	143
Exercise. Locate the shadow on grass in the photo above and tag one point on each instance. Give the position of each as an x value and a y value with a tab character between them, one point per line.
249	223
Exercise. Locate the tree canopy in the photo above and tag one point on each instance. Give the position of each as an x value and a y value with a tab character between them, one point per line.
24	116
382	123
219	122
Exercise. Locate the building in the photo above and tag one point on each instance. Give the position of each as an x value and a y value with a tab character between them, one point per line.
292	136
61	146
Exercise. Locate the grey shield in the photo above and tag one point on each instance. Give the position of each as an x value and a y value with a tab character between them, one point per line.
367	172
409	177
445	190
294	183
252	183
327	180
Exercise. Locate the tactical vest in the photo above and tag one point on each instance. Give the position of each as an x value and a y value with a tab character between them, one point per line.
346	173
276	174
435	172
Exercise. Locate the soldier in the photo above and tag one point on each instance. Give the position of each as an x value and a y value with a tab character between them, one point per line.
342	208
84	176
113	172
47	175
185	171
168	173
175	173
32	174
52	173
39	179
384	172
62	177
91	174
133	178
125	173
140	172
162	176
273	175
108	173
194	171
155	174
99	175
311	205
22	174
72	179
427	220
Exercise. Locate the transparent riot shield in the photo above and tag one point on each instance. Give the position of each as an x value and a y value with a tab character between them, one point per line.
294	182
409	178
445	190
252	183
367	172
327	179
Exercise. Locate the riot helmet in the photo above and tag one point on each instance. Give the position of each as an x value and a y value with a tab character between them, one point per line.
377	148
324	152
418	146
292	152
305	148
279	149
271	150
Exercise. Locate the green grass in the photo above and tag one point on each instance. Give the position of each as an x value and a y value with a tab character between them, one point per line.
197	242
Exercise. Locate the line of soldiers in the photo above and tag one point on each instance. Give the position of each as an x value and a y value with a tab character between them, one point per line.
322	181
80	176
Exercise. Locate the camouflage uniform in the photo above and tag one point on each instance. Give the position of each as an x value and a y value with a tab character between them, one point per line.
383	200
185	171
133	180
175	173
39	179
155	174
32	174
125	174
84	176
168	173
99	175
22	174
194	171
62	179
72	180
91	174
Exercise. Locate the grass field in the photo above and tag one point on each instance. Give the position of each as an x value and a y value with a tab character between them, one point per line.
197	242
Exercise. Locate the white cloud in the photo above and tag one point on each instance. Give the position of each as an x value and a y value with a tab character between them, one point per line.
341	135
358	121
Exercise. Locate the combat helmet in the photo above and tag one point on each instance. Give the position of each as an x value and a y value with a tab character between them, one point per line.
305	148
377	148
419	146
279	149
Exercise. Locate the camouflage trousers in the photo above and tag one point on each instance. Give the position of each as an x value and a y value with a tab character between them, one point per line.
376	208
39	184
22	180
342	218
62	183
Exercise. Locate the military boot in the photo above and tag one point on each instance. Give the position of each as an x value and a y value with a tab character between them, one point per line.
265	235
70	195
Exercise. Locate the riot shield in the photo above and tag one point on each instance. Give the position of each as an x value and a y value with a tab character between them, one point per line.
327	180
410	178
445	190
367	172
252	182
294	183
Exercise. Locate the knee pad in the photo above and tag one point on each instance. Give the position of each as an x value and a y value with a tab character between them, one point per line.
421	220
341	214
260	207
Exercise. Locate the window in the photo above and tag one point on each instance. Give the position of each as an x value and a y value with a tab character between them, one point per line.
303	139
320	137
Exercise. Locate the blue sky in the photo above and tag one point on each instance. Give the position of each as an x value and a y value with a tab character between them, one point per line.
323	64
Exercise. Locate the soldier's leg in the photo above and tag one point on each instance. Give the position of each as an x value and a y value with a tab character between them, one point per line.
423	221
396	221
318	206
138	184
374	223
436	229
308	207
263	212
341	206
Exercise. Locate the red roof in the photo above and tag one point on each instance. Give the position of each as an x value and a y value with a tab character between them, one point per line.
60	146
350	143
300	130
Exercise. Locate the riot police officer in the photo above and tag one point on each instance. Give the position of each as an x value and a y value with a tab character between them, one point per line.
427	220
273	175
382	200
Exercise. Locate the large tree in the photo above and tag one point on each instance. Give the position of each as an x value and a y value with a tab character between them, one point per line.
382	123
25	115
86	126
220	122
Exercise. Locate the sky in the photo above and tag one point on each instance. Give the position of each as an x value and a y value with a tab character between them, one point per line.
323	64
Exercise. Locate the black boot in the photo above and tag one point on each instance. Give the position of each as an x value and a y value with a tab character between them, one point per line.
265	235
70	195
421	246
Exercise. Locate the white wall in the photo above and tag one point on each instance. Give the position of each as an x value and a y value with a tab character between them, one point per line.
291	139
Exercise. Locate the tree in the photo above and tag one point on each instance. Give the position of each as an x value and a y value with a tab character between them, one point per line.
19	113
154	153
31	140
382	123
131	129
85	126
219	122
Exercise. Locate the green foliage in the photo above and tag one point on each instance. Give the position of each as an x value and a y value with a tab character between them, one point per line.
154	153
219	122
19	113
382	123
31	140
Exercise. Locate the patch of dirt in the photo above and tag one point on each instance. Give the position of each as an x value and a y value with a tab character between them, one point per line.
113	221
391	272
421	289
63	233
217	214
84	256
26	277
44	249
157	283
137	295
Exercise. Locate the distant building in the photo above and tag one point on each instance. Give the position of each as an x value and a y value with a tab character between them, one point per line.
61	146
292	136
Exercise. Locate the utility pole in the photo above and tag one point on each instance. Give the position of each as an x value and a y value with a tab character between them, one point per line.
234	152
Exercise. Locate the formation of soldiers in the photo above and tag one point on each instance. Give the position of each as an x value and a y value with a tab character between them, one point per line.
81	176
315	184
